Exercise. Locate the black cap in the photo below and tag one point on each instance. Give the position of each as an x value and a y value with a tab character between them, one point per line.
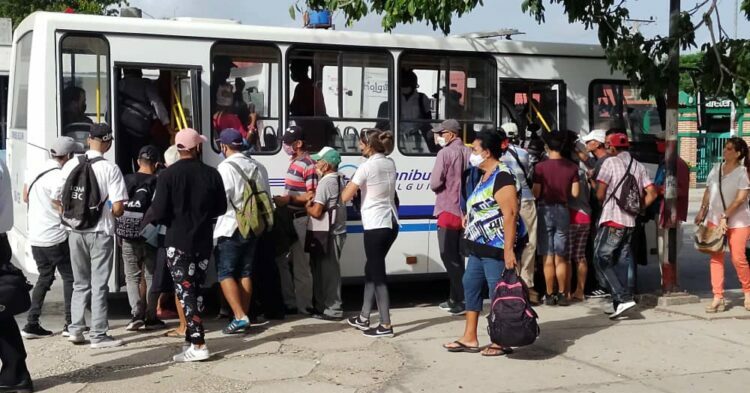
150	153
293	134
101	131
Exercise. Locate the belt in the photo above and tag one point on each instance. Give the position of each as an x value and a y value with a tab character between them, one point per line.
299	214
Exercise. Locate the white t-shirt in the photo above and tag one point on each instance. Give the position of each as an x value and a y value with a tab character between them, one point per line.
730	185
6	199
45	229
234	186
376	177
111	186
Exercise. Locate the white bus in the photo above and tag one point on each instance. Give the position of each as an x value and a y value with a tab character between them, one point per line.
482	83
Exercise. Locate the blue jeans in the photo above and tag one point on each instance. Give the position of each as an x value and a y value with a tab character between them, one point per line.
553	226
478	271
234	256
613	259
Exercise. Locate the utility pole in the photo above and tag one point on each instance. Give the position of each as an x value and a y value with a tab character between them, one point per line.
669	251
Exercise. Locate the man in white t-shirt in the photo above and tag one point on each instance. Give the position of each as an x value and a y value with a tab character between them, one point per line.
234	253
92	249
49	241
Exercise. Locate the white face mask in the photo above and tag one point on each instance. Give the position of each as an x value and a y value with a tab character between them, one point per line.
441	141
476	159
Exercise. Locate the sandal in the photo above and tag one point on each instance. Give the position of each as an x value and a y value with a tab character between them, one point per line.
497	351
461	347
173	333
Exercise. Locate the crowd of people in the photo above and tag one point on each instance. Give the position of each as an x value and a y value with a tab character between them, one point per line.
558	214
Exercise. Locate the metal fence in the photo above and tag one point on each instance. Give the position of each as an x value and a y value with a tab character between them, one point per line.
709	151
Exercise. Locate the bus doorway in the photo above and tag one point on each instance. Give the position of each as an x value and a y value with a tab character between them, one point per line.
151	105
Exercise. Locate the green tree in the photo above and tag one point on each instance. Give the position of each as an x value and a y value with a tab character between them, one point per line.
16	10
644	60
689	64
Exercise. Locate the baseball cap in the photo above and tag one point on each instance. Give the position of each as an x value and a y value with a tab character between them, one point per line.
150	153
329	155
101	131
598	135
171	155
188	138
65	145
618	140
447	125
510	128
293	134
231	138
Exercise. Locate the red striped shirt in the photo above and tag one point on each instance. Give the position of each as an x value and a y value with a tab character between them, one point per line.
301	176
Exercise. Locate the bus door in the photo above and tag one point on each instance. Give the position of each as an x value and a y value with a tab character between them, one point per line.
539	103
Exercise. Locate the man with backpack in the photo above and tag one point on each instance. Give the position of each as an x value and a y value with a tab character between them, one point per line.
49	241
235	238
517	159
327	232
139	257
92	192
189	195
624	190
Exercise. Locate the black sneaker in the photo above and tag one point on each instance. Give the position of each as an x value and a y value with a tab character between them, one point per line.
457	309
598	293
31	332
135	324
326	317
154	324
380	331
561	300
258	321
549	300
358	323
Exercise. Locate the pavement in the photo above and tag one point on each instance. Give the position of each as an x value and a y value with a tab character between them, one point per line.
656	349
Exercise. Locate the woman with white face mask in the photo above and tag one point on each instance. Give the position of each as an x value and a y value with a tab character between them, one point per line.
376	177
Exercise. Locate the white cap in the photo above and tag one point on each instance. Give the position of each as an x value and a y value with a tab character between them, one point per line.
171	156
598	135
511	129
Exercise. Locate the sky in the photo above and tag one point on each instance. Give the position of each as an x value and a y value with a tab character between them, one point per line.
494	15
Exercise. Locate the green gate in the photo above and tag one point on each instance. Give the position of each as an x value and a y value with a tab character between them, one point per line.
710	150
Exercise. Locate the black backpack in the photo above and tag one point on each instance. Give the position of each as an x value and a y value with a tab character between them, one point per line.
629	197
81	200
512	322
128	226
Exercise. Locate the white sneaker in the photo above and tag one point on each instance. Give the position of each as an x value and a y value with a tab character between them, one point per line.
192	354
106	342
76	338
622	308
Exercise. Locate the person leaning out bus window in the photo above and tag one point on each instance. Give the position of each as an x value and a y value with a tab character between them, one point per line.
494	199
732	215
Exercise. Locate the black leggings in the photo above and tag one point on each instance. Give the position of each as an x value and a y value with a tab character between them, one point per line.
377	244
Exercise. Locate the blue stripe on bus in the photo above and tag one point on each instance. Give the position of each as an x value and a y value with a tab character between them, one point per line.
404	211
350	229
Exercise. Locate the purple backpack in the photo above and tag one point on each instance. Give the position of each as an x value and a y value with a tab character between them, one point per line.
512	322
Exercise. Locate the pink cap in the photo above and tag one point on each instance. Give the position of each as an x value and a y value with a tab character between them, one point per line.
188	138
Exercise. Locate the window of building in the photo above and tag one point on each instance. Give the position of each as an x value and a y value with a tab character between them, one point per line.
336	93
85	84
21	82
433	88
245	89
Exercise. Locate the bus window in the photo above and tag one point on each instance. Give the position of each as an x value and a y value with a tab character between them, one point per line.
334	94
85	84
615	104
21	82
245	94
433	88
532	102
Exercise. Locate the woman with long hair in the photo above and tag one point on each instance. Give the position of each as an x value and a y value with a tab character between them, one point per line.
725	205
376	178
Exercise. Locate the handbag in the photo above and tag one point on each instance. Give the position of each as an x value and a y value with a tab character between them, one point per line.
14	292
707	239
318	234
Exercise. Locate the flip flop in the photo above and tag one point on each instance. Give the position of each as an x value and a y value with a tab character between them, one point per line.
173	333
461	348
497	351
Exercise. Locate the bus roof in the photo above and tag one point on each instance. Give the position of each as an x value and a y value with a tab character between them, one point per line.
206	29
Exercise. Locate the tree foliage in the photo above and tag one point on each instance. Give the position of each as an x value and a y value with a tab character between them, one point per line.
17	10
723	71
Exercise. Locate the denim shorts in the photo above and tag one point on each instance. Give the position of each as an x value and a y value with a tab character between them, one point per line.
234	256
553	226
480	271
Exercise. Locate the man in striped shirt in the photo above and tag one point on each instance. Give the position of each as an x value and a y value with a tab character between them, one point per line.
300	184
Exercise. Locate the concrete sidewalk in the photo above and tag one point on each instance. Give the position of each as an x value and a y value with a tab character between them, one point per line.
579	350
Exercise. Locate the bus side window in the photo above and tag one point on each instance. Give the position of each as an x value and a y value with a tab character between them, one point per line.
335	94
537	103
245	94
433	88
85	84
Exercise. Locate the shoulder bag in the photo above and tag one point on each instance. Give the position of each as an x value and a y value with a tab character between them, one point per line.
707	239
